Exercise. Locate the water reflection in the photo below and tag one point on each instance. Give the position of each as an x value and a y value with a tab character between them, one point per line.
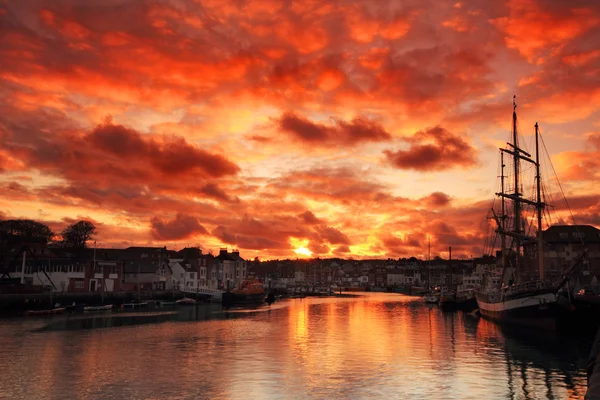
376	346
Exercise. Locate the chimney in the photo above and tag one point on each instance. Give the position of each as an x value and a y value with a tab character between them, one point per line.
450	253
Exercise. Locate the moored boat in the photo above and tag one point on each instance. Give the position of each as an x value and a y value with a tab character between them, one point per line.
53	311
134	305
250	291
465	300
186	301
431	298
511	299
98	308
448	301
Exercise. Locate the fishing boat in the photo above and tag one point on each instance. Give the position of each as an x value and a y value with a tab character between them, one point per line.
250	291
98	308
515	300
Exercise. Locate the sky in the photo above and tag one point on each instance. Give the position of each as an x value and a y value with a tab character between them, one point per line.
287	129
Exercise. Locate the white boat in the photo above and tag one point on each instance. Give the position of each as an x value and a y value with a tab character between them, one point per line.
186	301
431	298
98	308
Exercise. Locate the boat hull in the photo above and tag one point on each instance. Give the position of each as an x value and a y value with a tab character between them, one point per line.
230	298
467	305
448	305
536	310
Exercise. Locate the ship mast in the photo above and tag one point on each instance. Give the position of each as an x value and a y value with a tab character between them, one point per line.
516	232
502	221
517	203
539	205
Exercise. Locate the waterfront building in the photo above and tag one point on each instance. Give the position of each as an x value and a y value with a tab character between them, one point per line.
229	269
562	244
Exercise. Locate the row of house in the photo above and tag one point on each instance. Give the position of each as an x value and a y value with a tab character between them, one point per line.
369	274
156	268
31	261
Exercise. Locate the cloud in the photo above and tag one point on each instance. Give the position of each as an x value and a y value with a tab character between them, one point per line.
167	155
535	31
333	236
309	218
434	149
214	191
342	132
437	199
181	227
581	165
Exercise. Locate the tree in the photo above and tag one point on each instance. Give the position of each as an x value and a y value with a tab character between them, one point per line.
78	234
26	228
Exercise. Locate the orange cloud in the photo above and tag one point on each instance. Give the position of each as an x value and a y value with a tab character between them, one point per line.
433	149
531	29
342	133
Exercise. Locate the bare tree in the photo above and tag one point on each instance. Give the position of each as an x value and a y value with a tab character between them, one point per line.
78	234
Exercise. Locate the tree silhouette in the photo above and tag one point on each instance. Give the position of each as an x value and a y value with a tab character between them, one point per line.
78	234
26	228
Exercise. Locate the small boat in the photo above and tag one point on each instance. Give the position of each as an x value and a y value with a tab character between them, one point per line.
52	311
98	308
186	301
448	301
431	298
168	303
135	305
465	300
74	308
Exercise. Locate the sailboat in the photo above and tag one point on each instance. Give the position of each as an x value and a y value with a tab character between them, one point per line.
507	297
432	296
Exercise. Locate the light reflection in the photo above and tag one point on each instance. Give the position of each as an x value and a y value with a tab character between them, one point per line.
374	346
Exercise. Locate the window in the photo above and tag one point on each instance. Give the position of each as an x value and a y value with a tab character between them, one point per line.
192	275
78	284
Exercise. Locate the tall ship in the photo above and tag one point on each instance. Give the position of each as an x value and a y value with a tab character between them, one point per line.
509	296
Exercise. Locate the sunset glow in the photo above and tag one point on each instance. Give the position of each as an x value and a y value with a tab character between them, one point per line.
290	129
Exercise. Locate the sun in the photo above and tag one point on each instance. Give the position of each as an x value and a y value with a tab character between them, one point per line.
303	251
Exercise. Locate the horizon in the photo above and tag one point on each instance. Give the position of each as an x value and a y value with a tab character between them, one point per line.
297	130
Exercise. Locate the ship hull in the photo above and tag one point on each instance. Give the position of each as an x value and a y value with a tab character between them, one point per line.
535	310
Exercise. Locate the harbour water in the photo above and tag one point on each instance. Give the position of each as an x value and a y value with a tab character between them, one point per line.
376	346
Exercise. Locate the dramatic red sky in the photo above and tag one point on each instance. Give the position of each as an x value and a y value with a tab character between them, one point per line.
343	128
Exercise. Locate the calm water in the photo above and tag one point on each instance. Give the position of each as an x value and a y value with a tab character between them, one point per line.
383	346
